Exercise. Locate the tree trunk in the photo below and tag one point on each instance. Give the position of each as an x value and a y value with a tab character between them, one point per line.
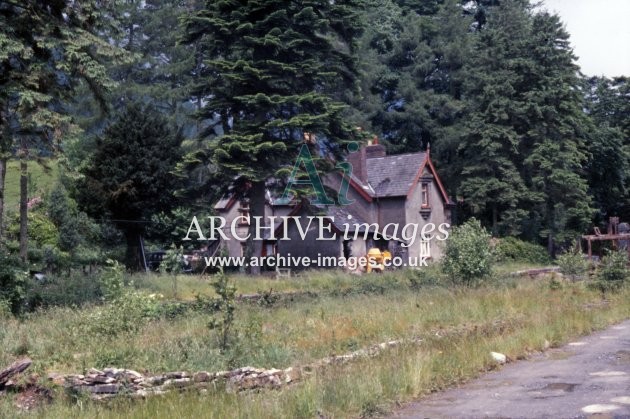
24	208
256	209
3	175
495	220
132	256
5	147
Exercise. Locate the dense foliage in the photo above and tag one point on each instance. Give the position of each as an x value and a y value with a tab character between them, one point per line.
573	265
468	255
12	284
523	141
511	249
130	177
47	51
613	270
274	71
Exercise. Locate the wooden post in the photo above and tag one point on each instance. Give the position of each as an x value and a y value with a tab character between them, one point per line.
590	250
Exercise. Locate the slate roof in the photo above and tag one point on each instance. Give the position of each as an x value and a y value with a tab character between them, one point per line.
224	203
389	176
340	215
393	175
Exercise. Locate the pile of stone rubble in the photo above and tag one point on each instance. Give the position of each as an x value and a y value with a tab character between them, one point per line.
111	382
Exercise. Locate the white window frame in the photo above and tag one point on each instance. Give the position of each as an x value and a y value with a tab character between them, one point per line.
425	248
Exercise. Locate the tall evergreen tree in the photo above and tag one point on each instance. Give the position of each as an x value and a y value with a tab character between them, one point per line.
488	152
273	70
523	152
412	61
555	133
130	177
608	105
163	69
160	72
46	50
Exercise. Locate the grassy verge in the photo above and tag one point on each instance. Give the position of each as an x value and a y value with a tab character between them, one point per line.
459	327
186	287
328	282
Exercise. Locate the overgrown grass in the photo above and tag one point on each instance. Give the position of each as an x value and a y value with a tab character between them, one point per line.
187	287
329	282
459	327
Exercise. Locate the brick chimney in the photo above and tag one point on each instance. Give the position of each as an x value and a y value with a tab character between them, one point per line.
374	149
358	158
359	165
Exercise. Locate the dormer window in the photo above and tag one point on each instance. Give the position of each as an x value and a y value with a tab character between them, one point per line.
425	195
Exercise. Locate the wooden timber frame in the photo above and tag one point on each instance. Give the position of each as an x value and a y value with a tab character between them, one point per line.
612	235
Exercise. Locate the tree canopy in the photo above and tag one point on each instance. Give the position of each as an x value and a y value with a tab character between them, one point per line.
131	176
213	95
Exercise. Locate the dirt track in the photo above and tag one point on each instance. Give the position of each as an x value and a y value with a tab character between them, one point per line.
587	378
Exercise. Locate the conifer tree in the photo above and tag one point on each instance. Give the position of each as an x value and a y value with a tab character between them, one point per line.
130	177
607	103
555	134
46	50
412	55
273	71
488	152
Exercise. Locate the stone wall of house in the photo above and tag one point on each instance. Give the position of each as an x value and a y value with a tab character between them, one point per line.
438	214
362	208
310	246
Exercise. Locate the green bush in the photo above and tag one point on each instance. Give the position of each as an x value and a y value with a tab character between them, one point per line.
425	277
511	249
112	280
74	289
41	230
84	255
468	257
125	314
53	259
613	270
223	319
572	265
12	283
172	261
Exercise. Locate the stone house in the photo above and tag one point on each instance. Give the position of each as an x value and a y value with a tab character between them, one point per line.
402	189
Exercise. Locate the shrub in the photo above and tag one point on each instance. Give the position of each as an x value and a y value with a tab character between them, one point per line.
12	283
468	257
511	249
613	270
112	280
126	313
5	310
172	261
41	230
226	305
426	277
572	265
75	289
53	259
